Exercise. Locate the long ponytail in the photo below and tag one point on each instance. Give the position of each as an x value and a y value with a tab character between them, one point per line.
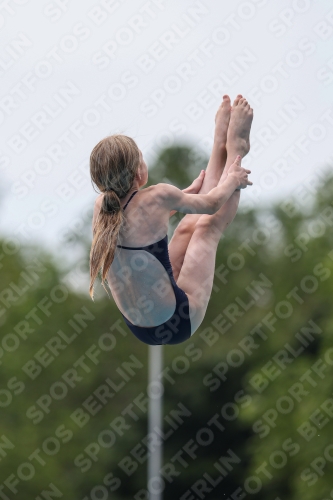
113	164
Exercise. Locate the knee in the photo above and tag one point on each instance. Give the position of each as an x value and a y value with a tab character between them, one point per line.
186	226
204	223
206	227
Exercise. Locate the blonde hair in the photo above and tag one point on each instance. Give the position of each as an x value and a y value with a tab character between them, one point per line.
114	162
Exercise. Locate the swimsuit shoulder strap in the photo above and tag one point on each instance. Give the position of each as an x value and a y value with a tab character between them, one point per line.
129	199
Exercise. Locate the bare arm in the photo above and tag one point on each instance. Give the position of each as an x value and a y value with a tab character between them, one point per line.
194	188
175	199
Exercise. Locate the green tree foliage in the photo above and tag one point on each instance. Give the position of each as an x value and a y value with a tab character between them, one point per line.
248	404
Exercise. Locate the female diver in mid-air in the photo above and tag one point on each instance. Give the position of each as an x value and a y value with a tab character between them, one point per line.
161	290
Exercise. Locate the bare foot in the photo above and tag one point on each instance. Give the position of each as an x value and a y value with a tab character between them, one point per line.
238	136
222	119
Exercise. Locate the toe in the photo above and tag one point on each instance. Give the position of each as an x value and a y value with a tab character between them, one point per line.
236	101
226	101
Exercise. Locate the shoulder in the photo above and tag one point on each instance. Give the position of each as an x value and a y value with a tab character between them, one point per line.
167	192
160	191
162	196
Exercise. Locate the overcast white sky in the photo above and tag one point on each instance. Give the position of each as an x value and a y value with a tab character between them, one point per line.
72	72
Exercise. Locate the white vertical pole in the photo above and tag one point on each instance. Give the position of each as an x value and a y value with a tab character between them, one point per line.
155	420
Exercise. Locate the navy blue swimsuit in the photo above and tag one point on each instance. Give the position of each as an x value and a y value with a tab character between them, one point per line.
177	329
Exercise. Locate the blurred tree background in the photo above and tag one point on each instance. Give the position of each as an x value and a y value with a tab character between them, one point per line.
248	403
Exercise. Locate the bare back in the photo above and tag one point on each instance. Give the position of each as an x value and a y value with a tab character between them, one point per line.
139	283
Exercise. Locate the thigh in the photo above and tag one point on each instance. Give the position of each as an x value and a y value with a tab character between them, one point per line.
180	240
197	273
184	231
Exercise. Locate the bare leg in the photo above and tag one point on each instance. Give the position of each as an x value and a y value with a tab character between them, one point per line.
219	152
197	273
231	135
184	230
238	135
